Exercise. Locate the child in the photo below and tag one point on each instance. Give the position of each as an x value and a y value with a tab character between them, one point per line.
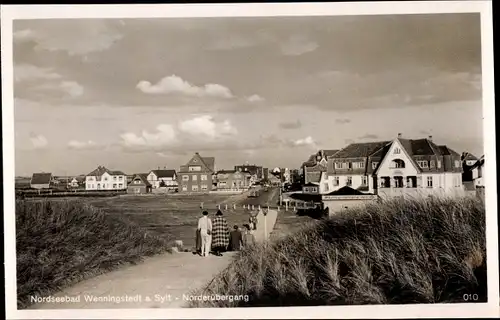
235	239
248	237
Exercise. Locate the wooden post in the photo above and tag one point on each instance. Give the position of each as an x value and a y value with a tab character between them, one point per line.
295	208
286	205
243	206
226	206
234	206
218	206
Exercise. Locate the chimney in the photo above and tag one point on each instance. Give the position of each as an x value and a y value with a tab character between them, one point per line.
430	138
400	135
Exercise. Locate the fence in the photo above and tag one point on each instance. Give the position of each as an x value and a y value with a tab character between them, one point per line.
74	193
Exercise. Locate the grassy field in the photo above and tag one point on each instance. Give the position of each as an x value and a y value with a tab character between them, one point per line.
394	252
62	242
172	217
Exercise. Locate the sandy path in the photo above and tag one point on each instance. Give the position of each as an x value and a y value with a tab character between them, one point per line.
163	281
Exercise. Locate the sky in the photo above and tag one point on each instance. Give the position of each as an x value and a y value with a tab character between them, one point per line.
138	94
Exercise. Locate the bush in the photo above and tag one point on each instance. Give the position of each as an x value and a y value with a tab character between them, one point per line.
395	252
63	242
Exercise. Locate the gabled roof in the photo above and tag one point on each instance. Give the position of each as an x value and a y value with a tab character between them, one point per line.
41	178
470	156
346	191
330	153
165	173
208	162
445	151
143	177
101	170
360	150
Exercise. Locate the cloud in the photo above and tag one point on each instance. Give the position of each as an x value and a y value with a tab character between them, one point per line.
205	126
76	36
199	132
308	141
163	135
175	84
255	98
369	136
291	125
342	121
73	88
38	141
298	45
84	145
27	72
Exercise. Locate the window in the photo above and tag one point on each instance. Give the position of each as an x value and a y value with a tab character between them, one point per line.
338	165
185	178
397	151
120	178
91	178
326	187
336	181
429	182
397	163
457	164
398	182
432	164
358	165
349	181
423	164
184	188
204	187
314	189
105	178
120	185
306	189
114	185
194	168
222	183
194	188
114	178
374	165
137	181
364	180
439	163
204	177
98	186
194	177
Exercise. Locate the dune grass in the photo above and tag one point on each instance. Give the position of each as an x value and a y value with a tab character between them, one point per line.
60	243
394	252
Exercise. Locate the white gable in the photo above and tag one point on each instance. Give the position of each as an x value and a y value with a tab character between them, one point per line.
106	175
396	153
152	176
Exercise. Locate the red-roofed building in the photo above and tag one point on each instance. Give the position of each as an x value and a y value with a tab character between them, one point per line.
316	164
105	179
196	176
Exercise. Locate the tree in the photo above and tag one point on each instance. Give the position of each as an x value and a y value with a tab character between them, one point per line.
162	183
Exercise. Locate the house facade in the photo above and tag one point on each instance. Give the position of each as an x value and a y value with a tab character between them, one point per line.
257	172
139	184
163	178
419	167
478	173
41	180
105	179
196	176
317	163
393	168
233	180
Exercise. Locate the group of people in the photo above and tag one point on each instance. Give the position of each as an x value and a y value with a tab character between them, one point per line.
214	235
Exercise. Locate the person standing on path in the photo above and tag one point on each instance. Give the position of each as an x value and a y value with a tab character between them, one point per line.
235	239
248	237
220	234
205	228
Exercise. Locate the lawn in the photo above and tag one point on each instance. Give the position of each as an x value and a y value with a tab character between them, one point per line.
395	252
172	217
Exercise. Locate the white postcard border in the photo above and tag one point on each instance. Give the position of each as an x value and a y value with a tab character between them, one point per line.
11	12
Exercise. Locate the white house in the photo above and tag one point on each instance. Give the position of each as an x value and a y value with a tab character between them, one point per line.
478	173
73	183
394	168
105	179
163	178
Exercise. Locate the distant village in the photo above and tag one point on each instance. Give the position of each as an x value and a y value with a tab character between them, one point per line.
383	168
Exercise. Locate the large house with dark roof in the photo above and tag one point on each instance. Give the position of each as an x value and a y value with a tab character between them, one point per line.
391	168
196	176
163	178
41	180
315	165
104	179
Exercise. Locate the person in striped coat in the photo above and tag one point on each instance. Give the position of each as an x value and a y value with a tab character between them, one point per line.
220	234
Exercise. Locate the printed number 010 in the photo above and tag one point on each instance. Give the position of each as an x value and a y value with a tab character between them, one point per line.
470	297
